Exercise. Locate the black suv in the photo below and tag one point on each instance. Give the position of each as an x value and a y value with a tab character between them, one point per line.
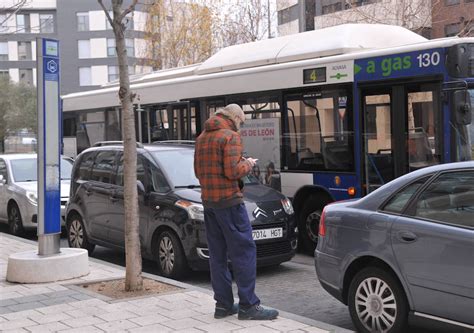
171	214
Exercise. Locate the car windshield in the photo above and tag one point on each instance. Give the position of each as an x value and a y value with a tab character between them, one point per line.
25	170
179	166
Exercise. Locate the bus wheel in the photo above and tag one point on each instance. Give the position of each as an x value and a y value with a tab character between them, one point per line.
308	224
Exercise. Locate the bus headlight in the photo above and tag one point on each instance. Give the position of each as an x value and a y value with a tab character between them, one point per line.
287	206
195	210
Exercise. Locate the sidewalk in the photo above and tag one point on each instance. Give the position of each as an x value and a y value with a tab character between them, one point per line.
64	307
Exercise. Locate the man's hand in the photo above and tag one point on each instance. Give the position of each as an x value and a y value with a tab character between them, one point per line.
252	161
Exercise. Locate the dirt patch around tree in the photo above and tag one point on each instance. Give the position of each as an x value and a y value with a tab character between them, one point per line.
116	288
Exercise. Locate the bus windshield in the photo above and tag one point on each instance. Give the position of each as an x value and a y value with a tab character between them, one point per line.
470	128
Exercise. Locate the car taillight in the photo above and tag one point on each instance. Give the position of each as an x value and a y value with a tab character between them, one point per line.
322	225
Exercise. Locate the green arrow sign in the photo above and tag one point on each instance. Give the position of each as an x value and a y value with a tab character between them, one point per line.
357	69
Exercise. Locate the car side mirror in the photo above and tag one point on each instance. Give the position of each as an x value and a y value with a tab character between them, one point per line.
3	181
462	107
140	186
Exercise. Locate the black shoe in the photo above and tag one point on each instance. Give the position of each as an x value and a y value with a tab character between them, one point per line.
256	312
222	312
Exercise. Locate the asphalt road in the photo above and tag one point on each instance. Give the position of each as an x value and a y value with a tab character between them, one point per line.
292	287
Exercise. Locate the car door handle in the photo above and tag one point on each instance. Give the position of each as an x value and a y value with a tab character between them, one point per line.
113	198
407	236
88	192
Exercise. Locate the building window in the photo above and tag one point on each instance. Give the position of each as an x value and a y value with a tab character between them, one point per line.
451	2
111	51
83	21
84	48
4	75
130	45
107	23
23	23
452	29
26	76
113	73
332	8
24	51
4	51
288	14
85	78
46	23
3	23
129	22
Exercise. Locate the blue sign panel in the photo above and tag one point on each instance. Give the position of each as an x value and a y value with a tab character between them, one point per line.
400	65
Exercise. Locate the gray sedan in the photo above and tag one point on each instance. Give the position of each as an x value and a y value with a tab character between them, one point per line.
19	187
406	248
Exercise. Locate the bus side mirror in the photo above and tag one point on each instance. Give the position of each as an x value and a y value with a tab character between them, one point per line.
462	107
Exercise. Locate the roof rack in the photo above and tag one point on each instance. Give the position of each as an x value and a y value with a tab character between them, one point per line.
175	142
113	143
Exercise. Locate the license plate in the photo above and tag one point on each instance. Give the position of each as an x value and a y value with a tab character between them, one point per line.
267	233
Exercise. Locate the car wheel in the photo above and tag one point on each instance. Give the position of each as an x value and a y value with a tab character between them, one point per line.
308	224
77	235
15	223
377	302
170	256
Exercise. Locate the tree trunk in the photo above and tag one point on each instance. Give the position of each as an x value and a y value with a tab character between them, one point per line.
133	275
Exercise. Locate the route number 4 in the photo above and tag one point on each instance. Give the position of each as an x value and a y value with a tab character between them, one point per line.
428	59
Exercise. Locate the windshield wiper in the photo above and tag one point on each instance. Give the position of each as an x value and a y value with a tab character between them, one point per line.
188	186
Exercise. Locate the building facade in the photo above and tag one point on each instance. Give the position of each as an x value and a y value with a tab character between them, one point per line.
430	18
87	44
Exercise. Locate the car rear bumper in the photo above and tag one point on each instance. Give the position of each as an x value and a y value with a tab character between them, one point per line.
328	272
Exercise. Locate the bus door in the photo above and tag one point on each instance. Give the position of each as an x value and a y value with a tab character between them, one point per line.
402	130
182	125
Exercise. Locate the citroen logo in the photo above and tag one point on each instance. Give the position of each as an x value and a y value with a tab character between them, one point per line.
258	211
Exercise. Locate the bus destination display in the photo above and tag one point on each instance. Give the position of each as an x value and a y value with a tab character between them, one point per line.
314	75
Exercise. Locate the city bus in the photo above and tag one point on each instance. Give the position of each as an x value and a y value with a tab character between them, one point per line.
332	114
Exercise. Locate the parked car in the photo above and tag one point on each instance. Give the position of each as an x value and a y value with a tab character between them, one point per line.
406	248
171	214
19	188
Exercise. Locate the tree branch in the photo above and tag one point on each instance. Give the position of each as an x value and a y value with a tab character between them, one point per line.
107	14
128	10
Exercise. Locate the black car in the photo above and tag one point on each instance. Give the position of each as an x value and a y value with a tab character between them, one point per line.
171	214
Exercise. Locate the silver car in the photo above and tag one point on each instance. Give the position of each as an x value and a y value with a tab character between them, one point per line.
18	190
406	248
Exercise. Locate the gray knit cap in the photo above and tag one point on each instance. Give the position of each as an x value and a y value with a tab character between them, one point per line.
234	112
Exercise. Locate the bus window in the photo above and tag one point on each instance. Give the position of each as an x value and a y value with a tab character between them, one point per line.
464	135
320	133
424	142
261	137
160	125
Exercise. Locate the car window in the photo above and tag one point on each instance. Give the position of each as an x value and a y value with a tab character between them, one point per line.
82	171
140	171
400	199
3	170
103	166
24	170
66	168
178	165
449	198
158	180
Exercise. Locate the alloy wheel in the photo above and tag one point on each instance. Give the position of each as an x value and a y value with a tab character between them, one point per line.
76	234
166	254
15	220
376	305
312	225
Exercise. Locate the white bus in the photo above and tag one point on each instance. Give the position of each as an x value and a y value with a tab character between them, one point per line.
332	113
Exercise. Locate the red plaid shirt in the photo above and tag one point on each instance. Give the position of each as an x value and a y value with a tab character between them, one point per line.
218	163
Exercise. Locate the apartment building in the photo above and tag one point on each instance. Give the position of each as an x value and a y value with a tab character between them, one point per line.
430	18
87	44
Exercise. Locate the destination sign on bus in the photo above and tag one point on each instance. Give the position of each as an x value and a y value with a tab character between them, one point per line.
314	75
399	65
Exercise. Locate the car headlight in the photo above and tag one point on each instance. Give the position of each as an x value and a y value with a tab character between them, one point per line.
287	206
32	197
195	210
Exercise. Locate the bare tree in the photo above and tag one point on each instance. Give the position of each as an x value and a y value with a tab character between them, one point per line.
178	33
133	273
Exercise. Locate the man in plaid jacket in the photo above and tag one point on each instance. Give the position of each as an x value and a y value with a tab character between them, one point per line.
219	165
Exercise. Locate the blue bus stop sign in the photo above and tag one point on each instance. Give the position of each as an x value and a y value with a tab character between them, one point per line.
49	146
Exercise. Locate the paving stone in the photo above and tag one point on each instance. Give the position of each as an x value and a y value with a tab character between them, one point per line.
8	302
56	308
15	330
221	326
312	329
81	296
20	315
82	321
8	295
179	314
20	323
4	310
32	298
25	306
258	329
285	324
117	315
116	325
88	329
149	320
88	303
152	328
51	327
180	324
49	318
